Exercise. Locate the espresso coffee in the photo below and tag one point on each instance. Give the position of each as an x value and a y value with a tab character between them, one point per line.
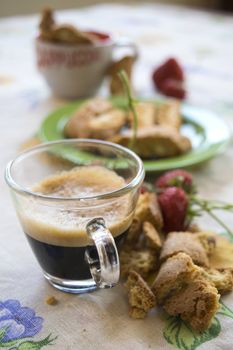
65	262
58	237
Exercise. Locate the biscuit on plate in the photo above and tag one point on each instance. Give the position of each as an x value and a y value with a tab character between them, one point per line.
76	127
155	141
145	114
168	114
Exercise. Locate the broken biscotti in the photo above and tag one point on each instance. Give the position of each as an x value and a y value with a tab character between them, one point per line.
176	269
196	304
222	279
185	242
183	291
152	237
176	272
143	261
141	298
143	242
139	255
147	209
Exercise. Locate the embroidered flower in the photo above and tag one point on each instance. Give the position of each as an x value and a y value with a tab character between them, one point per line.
17	321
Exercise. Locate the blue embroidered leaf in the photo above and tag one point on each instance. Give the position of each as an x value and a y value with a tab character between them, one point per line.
224	310
183	337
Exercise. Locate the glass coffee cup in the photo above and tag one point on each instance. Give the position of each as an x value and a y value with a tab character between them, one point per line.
75	200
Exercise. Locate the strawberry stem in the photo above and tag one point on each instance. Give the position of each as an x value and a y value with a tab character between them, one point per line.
199	205
130	99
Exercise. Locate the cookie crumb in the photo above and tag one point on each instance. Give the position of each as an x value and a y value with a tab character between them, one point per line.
51	300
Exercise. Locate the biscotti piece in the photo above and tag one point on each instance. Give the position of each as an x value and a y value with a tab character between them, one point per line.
143	261
78	124
125	63
141	298
208	240
134	231
147	209
155	141
222	279
174	274
136	313
146	114
196	303
152	237
185	242
168	114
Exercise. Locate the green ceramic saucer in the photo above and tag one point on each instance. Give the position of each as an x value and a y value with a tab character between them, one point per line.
208	133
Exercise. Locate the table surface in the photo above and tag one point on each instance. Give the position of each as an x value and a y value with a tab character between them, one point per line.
203	43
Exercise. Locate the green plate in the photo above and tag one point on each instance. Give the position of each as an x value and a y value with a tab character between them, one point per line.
208	133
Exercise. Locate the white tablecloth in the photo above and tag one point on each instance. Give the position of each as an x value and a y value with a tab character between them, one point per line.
203	43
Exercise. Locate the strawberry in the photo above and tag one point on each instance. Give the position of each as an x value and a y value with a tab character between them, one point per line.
170	69
173	203
173	88
178	178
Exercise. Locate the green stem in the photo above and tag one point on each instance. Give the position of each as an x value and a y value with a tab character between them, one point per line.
221	223
130	99
208	207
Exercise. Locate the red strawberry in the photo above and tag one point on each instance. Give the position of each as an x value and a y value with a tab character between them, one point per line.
173	202
170	69
178	178
173	88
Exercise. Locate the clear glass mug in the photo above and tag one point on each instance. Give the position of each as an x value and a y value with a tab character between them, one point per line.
76	238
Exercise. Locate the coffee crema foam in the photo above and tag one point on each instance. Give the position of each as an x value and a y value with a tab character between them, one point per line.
67	226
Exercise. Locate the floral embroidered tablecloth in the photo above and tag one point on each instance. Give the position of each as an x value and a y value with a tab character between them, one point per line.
203	43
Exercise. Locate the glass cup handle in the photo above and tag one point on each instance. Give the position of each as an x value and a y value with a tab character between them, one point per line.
104	266
126	43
